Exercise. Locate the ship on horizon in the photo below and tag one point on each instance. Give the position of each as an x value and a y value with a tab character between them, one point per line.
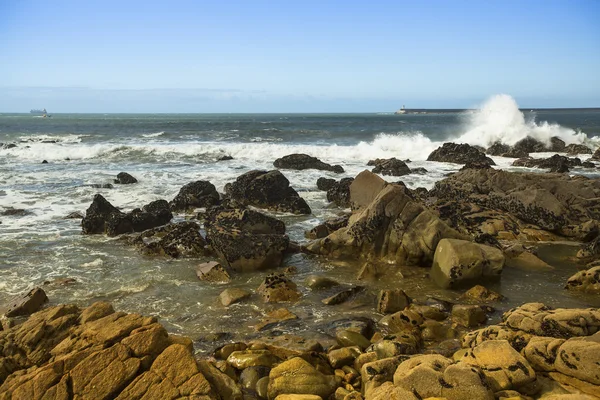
42	113
401	111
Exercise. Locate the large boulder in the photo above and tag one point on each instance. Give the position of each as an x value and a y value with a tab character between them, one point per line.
304	161
498	149
556	163
339	193
180	240
266	189
392	166
297	376
246	240
596	155
124	178
194	195
460	263
459	154
388	225
585	281
530	145
26	304
574	149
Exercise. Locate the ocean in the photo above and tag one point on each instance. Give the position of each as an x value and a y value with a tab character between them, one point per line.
167	151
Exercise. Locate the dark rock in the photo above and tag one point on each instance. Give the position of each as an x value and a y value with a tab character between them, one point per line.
44	162
15	212
515	153
325	183
531	145
342	296
498	149
339	193
101	185
419	170
194	195
178	240
459	154
27	304
557	144
9	146
270	190
574	149
475	165
124	178
392	166
224	158
246	240
98	215
588	164
74	215
329	226
304	161
596	155
556	163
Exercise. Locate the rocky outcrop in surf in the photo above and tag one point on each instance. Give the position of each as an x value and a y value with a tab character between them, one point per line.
392	167
304	161
459	154
195	195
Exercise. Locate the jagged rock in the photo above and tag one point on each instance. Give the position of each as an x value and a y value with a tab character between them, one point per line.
277	288
557	144
458	262
516	153
475	165
325	183
390	301
246	240
596	155
212	271
574	149
556	163
296	376
151	215
390	227
124	178
26	304
585	281
498	149
459	154
328	227
179	240
339	193
392	166
530	145
230	296
194	195
270	190
304	161
502	365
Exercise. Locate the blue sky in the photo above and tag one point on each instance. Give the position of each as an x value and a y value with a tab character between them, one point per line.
308	56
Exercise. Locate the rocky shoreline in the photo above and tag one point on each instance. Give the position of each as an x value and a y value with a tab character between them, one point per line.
462	234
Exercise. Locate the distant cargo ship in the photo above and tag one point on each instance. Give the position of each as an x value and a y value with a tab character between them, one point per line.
401	111
42	113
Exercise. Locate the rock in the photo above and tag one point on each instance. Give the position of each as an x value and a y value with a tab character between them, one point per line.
251	358
195	195
459	262
392	166
278	288
388	391
325	183
101	185
224	158
392	228
304	161
481	294
124	178
246	240
528	262
475	165
230	296
26	304
459	154
343	296
390	301
516	153
151	215
437	376
350	338
498	149
262	387
468	315
339	358
339	193
316	282
270	190
596	155
530	145
275	317
9	211
502	365
420	171
585	281
224	385
212	271
556	163
179	240
371	271
574	149
251	375
74	215
44	162
298	397
329	226
296	376
376	373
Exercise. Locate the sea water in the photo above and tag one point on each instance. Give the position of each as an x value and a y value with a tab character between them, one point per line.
167	151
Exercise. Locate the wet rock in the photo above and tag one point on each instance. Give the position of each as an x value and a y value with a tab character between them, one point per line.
299	377
180	240
124	178
419	170
316	282
275	317
377	373
329	226
459	154
230	296
371	271
325	183
26	304
10	211
390	301
574	149
195	195
339	193
342	357
304	161
270	190
151	215
392	167
390	227
502	365
458	263
225	158
74	215
585	281
342	296
44	162
278	288
497	149
212	271
468	315
596	155
251	375
101	185
556	163
481	294
251	358
530	145
475	165
516	153
350	338
224	385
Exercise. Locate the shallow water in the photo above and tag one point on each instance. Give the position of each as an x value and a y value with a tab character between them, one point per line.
164	152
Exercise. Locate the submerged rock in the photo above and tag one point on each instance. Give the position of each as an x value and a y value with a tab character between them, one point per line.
459	154
270	190
304	161
124	178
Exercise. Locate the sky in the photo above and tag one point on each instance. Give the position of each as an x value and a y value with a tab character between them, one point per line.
296	56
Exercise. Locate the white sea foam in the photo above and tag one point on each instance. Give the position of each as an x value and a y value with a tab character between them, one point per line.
151	135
